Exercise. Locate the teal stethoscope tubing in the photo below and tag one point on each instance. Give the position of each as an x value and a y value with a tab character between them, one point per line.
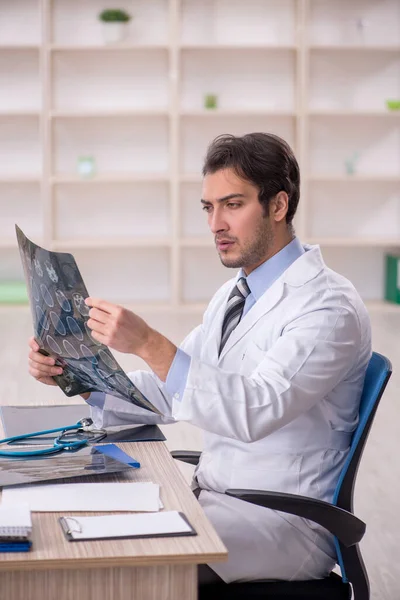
59	444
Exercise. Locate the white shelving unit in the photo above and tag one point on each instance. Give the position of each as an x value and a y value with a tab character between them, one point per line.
315	72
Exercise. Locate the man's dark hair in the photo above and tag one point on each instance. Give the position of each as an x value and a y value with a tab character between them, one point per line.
263	159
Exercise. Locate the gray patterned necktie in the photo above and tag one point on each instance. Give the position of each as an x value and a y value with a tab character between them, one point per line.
234	310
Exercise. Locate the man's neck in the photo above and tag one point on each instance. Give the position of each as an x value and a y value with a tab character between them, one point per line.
279	244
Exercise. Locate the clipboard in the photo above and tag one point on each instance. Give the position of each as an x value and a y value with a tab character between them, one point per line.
123	526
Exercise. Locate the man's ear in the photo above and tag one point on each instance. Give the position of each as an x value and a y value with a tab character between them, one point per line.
279	206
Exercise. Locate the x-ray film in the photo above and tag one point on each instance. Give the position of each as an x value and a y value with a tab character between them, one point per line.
57	296
64	465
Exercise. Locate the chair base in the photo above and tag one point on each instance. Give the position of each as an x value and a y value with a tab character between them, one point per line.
330	588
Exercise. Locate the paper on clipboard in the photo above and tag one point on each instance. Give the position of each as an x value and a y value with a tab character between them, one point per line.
169	523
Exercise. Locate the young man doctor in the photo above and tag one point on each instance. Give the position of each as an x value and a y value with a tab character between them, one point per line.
273	375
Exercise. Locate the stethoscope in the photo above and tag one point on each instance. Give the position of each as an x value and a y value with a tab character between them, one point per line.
83	433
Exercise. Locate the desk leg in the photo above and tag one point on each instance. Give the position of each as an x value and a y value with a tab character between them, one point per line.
111	583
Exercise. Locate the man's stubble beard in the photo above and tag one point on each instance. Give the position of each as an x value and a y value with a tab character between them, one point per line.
255	251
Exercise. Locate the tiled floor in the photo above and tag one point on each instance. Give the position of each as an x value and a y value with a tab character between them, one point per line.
378	485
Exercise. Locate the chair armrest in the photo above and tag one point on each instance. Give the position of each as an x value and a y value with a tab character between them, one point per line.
344	525
188	456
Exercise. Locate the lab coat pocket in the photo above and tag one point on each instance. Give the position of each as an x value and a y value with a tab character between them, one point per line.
267	471
251	358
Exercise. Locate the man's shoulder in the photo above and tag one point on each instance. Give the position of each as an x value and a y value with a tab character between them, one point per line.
332	293
313	276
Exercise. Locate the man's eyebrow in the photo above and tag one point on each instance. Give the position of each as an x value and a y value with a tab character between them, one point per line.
224	198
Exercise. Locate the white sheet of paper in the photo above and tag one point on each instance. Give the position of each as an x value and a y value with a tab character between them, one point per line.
143	497
111	526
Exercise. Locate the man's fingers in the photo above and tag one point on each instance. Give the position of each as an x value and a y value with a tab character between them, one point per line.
33	344
44	369
102	305
41	358
96	326
48	381
99	315
41	377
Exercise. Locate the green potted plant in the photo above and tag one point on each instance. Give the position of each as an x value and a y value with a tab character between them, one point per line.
211	101
114	25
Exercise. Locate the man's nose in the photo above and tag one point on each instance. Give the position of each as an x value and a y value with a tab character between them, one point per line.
217	223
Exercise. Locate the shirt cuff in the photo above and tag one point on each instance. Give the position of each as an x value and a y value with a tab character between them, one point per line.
97	399
177	375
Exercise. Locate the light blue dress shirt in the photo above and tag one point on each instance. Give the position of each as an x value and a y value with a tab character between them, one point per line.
258	281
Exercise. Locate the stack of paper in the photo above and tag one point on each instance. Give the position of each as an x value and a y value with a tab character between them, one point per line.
15	528
143	497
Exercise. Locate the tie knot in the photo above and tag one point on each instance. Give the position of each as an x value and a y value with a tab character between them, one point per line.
241	288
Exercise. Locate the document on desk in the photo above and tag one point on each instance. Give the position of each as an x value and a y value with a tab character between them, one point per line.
87	497
169	523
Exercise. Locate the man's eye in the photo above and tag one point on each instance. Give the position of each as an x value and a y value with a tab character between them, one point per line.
207	208
233	204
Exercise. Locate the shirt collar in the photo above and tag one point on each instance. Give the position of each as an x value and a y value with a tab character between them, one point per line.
264	276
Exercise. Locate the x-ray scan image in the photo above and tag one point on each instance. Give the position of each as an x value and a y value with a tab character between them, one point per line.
57	296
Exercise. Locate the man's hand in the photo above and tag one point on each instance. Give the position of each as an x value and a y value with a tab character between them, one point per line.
117	327
122	330
41	367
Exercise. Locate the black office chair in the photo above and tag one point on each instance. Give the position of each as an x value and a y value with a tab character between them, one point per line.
338	517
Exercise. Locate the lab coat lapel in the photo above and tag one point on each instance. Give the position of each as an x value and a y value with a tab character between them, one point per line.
302	270
266	303
211	345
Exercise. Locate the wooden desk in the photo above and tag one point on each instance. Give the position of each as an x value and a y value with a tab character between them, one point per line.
134	569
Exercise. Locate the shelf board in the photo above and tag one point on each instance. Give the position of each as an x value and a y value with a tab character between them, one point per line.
353	47
388	114
193	307
8	244
207	242
226	112
107	243
197	242
200	307
105	47
356	178
12	244
19	47
169	308
19	113
72	178
151	306
112	113
286	47
191	178
12	179
382	306
360	242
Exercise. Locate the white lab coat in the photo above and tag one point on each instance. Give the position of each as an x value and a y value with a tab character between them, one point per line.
277	408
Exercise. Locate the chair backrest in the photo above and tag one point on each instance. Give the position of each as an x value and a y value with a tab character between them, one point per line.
377	375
